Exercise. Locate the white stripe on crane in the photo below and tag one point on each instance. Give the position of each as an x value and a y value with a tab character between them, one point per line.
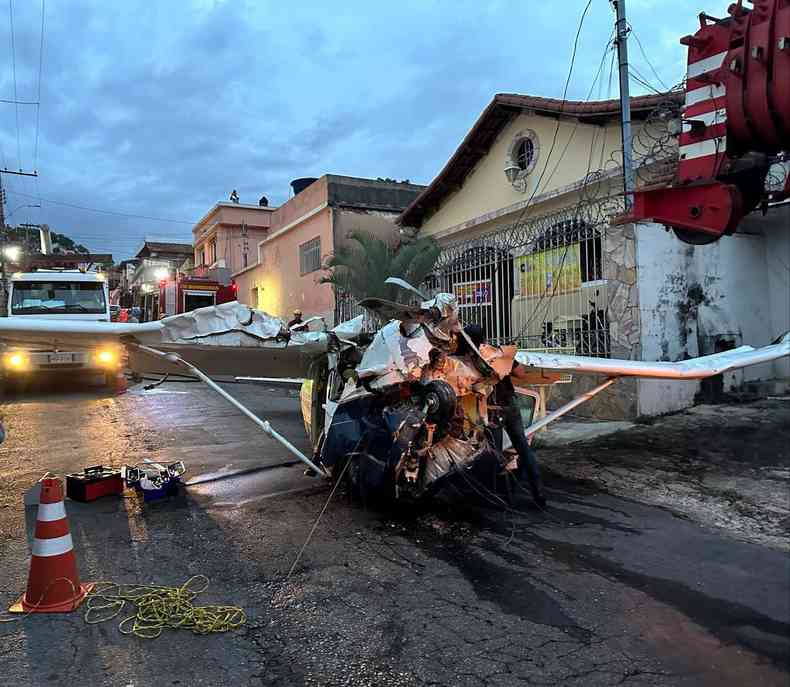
708	92
707	64
49	512
707	118
53	547
712	146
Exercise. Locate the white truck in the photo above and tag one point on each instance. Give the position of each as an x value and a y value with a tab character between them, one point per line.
59	295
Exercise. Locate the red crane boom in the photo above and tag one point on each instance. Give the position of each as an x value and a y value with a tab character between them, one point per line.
735	123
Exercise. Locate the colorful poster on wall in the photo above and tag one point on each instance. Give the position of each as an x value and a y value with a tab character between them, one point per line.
549	272
473	292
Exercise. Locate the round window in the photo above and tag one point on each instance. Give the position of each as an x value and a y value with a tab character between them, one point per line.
525	153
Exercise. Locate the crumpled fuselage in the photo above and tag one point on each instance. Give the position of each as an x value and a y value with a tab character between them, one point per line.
412	417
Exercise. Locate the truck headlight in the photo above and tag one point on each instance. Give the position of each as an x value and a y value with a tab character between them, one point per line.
106	357
16	361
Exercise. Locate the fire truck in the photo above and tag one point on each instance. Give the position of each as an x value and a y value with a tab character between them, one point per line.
186	293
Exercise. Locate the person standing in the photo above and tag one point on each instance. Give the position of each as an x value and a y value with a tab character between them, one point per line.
504	397
293	325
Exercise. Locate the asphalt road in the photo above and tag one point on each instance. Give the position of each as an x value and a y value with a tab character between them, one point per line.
599	590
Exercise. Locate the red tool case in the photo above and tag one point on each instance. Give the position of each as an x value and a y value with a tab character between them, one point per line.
93	483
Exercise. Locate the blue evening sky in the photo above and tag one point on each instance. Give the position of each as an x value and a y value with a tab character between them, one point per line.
162	108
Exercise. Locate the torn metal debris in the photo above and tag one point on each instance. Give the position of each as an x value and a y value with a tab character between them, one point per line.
404	413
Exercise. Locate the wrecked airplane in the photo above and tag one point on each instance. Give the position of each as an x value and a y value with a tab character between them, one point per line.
404	413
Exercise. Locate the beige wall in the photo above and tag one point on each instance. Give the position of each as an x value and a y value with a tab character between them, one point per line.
485	189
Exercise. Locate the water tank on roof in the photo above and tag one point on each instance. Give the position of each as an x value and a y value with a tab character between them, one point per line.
299	185
263	202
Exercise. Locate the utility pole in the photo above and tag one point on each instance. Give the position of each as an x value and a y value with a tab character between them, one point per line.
2	248
621	32
2	206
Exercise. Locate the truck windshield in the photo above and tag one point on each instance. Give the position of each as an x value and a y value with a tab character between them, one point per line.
50	297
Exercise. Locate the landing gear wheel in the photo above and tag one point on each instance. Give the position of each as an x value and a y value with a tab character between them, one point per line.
695	238
440	399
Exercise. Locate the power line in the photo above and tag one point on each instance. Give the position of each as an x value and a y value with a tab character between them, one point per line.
40	69
576	125
102	211
649	63
559	114
638	76
18	102
548	157
13	70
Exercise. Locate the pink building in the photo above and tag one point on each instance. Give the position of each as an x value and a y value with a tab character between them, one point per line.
226	238
288	261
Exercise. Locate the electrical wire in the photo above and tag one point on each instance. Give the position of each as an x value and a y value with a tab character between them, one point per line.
607	47
635	74
40	70
13	70
321	514
644	55
105	212
559	114
18	102
537	308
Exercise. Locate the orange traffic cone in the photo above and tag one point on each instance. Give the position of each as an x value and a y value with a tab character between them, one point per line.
53	585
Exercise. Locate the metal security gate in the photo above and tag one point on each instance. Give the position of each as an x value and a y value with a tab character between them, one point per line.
481	279
540	284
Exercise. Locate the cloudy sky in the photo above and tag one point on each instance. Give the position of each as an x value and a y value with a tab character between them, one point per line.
160	109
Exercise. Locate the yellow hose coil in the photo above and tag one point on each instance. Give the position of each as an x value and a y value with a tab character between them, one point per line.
157	608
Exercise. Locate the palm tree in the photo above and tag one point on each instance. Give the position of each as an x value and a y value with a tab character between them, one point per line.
360	270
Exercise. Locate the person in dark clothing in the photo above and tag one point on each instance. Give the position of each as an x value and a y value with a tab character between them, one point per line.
504	396
297	320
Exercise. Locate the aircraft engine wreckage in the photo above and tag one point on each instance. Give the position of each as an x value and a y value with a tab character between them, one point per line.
402	414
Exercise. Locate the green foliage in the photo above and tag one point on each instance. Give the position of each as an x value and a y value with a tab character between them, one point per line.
30	241
65	242
360	270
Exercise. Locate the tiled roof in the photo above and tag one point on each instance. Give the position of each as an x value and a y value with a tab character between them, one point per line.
499	112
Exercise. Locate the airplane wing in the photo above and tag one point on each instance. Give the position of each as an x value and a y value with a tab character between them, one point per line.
695	368
24	330
263	345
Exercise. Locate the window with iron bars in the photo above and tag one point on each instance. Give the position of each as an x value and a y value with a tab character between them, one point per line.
310	256
538	289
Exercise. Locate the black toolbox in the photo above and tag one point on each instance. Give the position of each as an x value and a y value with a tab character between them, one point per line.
93	483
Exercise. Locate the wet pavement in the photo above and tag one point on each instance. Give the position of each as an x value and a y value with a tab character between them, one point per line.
602	589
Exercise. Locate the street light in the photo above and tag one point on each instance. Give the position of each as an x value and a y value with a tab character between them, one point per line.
12	253
27	205
511	171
